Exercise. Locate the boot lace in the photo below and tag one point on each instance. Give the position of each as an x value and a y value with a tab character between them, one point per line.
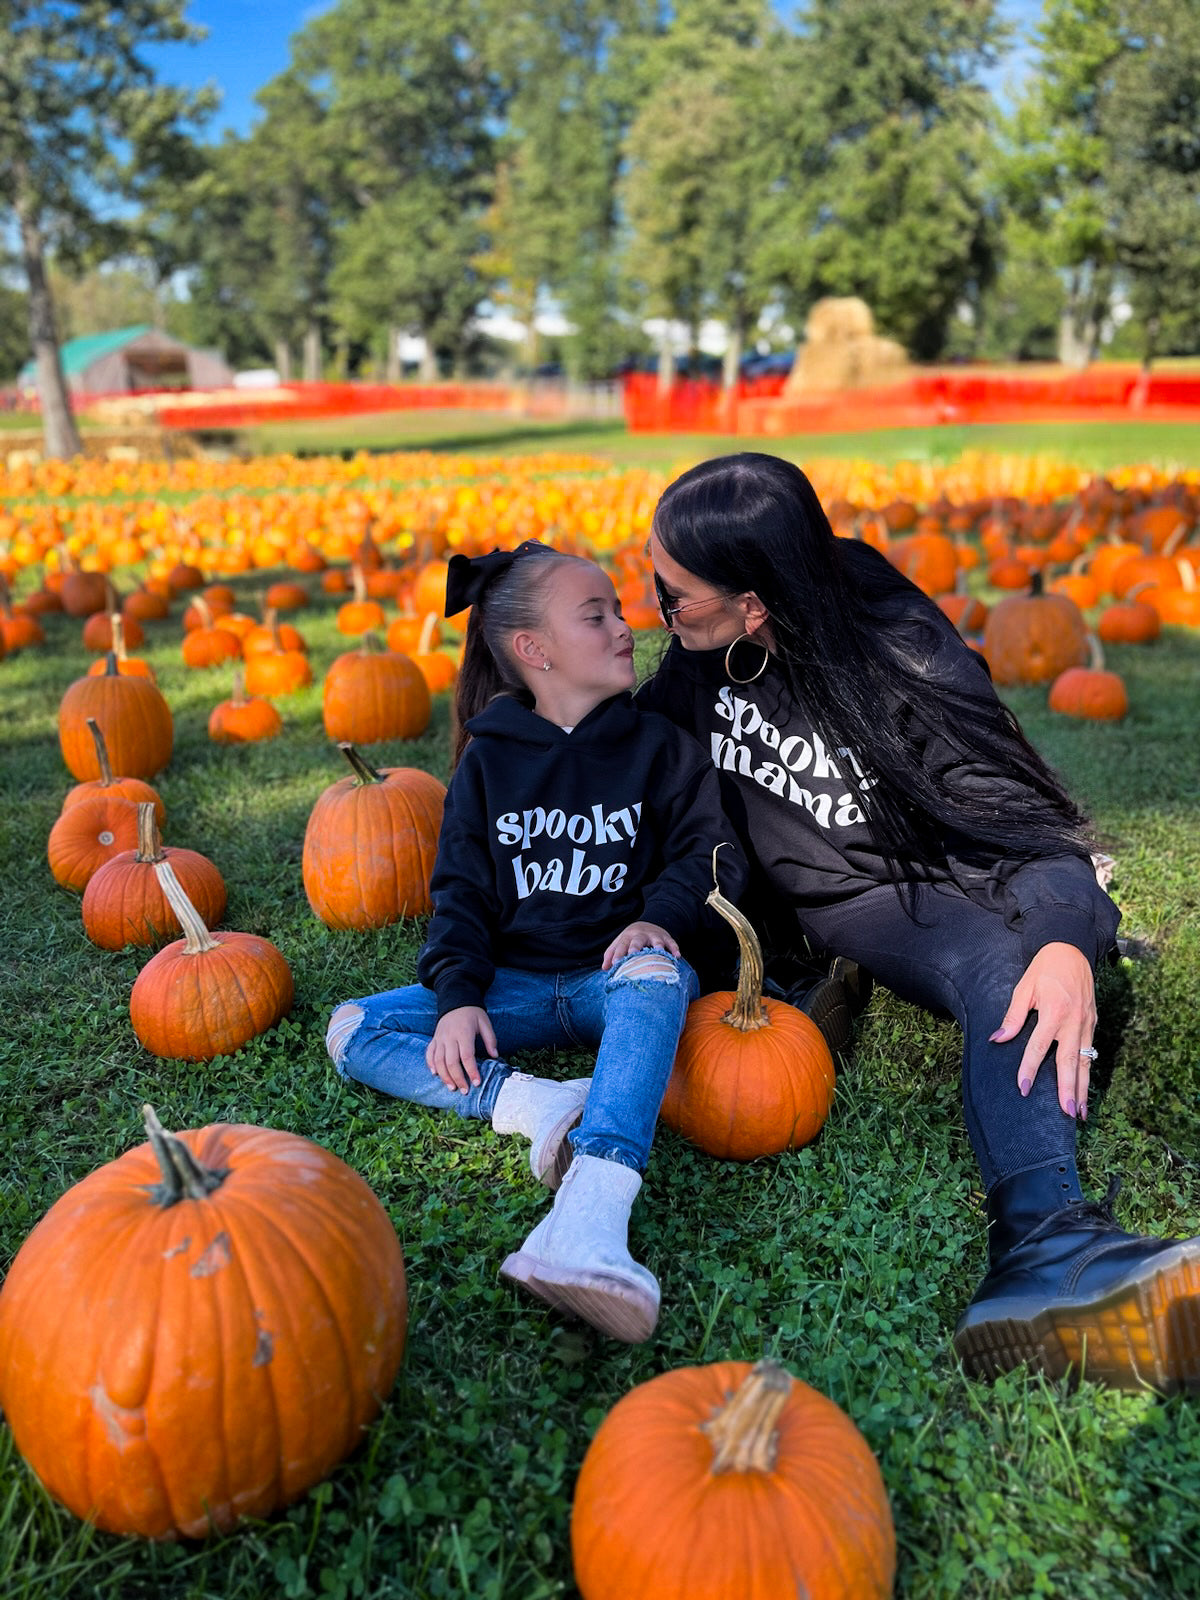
1078	1213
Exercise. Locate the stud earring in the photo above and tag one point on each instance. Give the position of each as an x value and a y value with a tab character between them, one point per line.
545	666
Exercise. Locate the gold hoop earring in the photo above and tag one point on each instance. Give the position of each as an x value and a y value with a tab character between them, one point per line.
762	666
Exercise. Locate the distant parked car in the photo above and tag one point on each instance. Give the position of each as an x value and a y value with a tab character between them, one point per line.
778	363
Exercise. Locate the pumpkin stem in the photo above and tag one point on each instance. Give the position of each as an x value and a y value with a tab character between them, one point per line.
239	687
149	843
106	771
111	666
358	578
1176	537
743	1432
363	771
203	611
183	1177
748	1012
1095	653
196	937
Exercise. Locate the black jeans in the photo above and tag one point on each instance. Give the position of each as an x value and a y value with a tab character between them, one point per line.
959	958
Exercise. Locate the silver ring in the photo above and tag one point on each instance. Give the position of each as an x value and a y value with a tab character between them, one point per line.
1089	1053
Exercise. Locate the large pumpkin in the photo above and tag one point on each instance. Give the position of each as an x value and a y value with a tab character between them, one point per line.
88	834
1032	638
208	993
752	1076
135	719
370	844
200	1330
726	1480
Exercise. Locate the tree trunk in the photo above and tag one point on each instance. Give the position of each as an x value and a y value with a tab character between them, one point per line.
428	369
283	360
732	361
392	361
666	364
60	436
312	353
341	360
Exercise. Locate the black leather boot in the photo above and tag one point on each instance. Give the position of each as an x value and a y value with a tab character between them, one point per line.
1068	1290
831	995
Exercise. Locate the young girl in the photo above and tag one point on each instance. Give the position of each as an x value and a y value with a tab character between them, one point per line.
897	815
574	859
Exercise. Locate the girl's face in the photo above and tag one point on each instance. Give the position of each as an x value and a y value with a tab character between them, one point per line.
583	635
701	617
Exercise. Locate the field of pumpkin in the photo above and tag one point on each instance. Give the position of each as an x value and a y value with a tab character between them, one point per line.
226	716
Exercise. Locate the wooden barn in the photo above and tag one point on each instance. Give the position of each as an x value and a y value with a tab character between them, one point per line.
129	360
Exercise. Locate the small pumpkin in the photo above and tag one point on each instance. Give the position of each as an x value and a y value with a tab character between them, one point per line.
437	667
238	1315
124	902
1090	692
370	843
360	614
87	835
135	789
280	670
371	694
728	1480
752	1077
208	993
131	666
243	719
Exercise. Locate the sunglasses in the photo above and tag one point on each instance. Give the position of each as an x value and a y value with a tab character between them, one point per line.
668	612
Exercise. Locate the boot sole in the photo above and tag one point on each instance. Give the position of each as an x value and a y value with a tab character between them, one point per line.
1145	1332
827	1006
550	1158
610	1304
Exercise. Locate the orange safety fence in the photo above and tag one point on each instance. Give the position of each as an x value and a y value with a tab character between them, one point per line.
296	402
1117	393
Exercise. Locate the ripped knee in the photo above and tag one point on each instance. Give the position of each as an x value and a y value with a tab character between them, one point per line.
653	965
342	1025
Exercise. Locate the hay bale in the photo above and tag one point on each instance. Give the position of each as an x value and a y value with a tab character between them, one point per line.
841	350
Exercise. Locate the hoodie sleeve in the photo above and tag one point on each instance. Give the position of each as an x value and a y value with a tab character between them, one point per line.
688	804
456	960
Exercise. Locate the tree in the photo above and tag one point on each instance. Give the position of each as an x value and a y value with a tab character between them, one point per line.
83	127
409	105
13	320
1150	121
1056	178
702	156
883	196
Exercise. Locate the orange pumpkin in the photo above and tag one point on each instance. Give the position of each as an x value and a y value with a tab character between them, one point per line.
360	615
124	902
752	1077
243	719
241	1315
370	844
133	715
1032	638
87	835
371	694
131	666
135	789
1090	692
730	1480
280	670
208	993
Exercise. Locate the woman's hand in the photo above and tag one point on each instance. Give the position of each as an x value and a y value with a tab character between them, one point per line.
451	1052
1058	985
638	936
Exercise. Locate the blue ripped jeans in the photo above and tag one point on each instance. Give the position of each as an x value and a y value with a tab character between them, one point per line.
632	1016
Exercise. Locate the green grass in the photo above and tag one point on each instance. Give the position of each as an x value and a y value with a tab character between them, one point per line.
1099	446
849	1260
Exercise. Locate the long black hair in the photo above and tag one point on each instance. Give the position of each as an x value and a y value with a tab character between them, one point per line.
753	522
515	599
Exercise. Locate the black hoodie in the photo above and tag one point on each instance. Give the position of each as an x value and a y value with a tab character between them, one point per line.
798	805
553	842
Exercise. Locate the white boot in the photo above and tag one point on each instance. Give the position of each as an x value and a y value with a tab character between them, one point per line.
544	1110
577	1258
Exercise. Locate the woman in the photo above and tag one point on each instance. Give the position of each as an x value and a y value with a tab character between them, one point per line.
893	809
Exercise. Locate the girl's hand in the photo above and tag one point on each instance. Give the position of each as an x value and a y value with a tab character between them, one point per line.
1058	985
451	1052
638	936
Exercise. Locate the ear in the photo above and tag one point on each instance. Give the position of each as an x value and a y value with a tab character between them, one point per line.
527	648
754	613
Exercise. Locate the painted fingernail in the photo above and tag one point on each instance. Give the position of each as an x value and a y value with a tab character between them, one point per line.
1025	1085
994	1038
1083	1111
1070	1108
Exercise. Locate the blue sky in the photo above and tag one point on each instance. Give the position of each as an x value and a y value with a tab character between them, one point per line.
248	44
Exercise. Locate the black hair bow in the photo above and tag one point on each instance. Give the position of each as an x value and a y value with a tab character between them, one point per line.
468	576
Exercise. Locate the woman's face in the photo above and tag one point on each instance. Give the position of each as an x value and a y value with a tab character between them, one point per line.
702	618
